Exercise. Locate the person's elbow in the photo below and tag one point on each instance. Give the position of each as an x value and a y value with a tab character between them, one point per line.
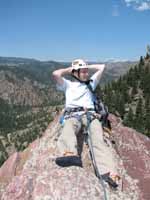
57	77
100	67
55	74
103	66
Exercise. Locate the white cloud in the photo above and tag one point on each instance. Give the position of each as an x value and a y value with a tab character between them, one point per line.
139	5
130	1
143	6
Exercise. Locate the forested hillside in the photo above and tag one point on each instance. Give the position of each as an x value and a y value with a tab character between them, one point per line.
28	99
129	96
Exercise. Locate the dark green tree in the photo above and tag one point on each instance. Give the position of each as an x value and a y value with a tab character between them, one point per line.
147	56
139	116
141	61
147	116
148	49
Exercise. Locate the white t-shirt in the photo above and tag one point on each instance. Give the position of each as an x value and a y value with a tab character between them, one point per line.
77	94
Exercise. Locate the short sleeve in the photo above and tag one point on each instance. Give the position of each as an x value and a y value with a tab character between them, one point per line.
63	86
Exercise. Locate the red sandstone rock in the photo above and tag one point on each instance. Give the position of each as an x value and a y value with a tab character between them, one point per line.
8	170
134	150
39	178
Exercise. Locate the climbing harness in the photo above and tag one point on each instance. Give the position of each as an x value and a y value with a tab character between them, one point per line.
99	106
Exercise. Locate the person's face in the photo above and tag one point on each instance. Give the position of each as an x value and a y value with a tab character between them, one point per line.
84	74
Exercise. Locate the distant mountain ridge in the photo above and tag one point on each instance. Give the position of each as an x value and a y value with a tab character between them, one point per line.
112	68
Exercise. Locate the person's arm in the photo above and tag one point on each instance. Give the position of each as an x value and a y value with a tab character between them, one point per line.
99	68
58	74
97	75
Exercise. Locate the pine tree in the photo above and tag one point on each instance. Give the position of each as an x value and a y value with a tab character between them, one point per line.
121	105
130	78
141	61
139	116
147	56
148	49
147	116
146	80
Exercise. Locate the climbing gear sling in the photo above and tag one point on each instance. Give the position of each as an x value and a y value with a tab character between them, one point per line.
105	177
90	145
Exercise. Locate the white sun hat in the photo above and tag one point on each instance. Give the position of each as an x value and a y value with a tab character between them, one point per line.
79	64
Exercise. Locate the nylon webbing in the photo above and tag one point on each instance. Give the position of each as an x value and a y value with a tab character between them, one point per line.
90	144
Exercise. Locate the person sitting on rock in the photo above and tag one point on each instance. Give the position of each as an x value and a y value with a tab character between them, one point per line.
79	102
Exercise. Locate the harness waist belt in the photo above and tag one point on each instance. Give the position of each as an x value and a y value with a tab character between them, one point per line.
77	109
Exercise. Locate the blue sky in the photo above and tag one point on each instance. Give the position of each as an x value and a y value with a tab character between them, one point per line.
63	30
